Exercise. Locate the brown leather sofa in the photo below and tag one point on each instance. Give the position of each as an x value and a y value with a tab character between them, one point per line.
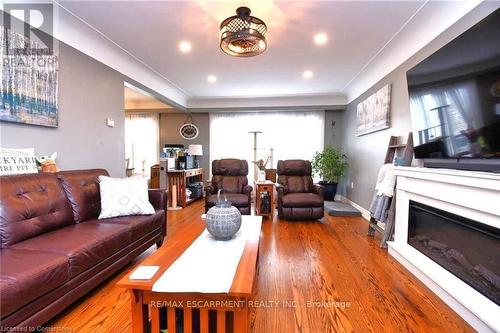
230	175
53	247
298	197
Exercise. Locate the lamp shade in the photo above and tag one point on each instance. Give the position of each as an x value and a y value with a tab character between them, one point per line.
195	150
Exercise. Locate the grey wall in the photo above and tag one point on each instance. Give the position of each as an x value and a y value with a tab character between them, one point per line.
366	153
334	123
169	133
89	92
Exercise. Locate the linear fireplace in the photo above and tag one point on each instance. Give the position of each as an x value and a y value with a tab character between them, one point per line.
447	233
468	249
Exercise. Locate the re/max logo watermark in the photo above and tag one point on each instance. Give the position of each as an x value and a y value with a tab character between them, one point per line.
34	21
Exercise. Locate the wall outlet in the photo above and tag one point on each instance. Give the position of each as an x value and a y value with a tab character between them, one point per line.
352	184
110	122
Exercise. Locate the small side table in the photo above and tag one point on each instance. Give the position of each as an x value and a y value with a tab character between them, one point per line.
263	187
181	179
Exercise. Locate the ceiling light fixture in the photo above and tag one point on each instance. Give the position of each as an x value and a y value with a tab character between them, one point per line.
185	46
211	79
320	39
243	35
307	74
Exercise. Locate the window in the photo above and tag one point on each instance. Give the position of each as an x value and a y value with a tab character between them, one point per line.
141	142
291	135
445	113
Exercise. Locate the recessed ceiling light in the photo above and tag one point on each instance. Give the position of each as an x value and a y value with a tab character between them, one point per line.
320	39
185	46
307	74
211	79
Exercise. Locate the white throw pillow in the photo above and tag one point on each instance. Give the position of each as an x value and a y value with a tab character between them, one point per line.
17	161
122	197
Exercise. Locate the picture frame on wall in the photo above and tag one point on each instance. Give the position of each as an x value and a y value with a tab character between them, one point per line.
29	83
373	114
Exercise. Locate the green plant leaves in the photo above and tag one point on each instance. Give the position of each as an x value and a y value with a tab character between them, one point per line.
330	164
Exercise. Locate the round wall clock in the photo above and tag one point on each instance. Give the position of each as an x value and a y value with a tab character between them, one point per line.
189	131
495	89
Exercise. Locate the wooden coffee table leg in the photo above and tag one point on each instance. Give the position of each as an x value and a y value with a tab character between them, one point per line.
204	320
241	320
188	320
139	314
221	321
172	324
155	319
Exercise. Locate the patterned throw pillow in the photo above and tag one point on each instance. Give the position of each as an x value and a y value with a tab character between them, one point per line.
122	197
17	161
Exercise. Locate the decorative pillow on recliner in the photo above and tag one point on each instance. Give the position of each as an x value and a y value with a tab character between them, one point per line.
122	197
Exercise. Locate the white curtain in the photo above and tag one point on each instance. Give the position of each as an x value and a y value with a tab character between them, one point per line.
291	135
142	141
447	111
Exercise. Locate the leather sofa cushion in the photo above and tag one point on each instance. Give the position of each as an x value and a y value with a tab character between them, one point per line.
138	225
230	174
237	199
230	184
27	275
302	200
82	189
302	214
31	205
294	168
229	167
297	184
295	175
85	244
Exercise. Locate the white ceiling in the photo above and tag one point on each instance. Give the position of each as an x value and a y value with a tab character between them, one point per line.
367	40
151	32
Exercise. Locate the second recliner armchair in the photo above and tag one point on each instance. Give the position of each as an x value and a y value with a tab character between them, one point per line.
230	175
298	197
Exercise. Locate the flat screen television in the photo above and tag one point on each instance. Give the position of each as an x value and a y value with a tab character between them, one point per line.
455	97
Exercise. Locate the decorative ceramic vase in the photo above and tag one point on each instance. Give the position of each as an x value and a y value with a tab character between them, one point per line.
261	176
223	220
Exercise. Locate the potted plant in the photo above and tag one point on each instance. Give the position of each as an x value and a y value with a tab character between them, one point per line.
330	165
261	164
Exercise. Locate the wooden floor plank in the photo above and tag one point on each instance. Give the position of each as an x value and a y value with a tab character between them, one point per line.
328	277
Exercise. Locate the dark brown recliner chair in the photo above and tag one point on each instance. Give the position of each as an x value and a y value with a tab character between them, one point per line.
230	175
298	197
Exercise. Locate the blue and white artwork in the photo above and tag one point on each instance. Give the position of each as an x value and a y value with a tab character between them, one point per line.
29	82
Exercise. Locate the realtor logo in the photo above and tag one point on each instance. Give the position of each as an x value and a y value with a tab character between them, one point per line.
34	22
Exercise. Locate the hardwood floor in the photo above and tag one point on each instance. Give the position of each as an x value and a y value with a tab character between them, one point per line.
313	277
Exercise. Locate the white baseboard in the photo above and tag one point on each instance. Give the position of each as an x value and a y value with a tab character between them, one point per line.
364	213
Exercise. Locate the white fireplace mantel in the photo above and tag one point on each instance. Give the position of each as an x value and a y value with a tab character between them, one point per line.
474	195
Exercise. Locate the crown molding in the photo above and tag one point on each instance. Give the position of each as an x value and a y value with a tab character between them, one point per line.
289	102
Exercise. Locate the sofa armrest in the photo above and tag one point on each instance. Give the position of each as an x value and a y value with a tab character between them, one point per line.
319	190
247	189
158	199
